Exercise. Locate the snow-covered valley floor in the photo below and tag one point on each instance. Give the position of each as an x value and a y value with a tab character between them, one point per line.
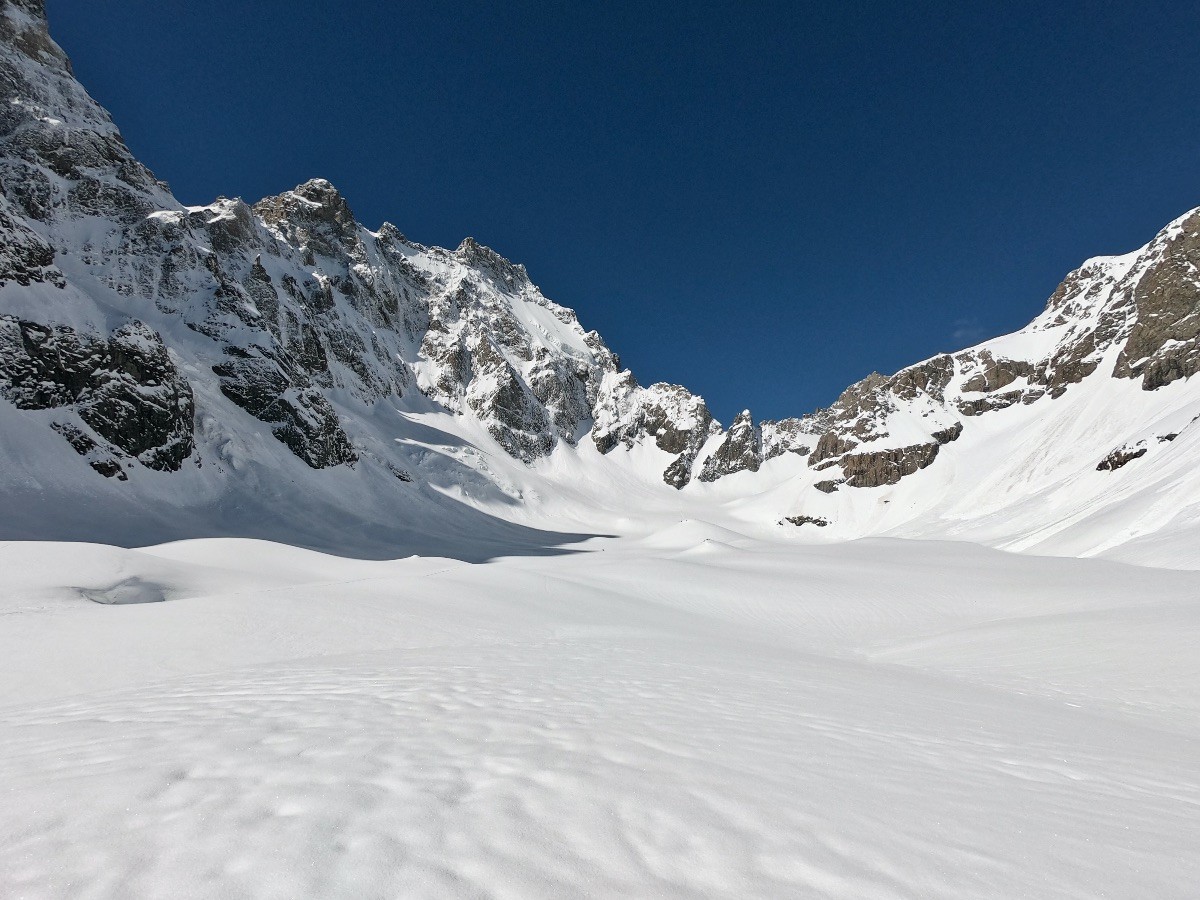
691	714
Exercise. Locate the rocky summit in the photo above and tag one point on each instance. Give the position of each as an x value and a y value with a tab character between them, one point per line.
194	370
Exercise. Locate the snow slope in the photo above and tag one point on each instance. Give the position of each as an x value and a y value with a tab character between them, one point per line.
696	714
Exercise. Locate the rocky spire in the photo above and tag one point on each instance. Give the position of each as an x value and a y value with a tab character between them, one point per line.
741	451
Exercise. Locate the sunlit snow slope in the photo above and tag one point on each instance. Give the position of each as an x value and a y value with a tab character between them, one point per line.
694	715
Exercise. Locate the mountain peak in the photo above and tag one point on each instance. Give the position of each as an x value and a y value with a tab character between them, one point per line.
312	207
23	25
475	254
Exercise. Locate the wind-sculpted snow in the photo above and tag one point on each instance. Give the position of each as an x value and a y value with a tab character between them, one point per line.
281	349
694	714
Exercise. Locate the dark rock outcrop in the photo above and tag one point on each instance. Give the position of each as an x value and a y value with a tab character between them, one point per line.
676	420
510	410
993	374
125	388
25	257
741	451
301	418
1164	342
1121	457
97	457
884	467
946	435
806	520
829	445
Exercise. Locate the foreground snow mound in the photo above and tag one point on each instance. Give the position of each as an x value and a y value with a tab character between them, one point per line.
872	719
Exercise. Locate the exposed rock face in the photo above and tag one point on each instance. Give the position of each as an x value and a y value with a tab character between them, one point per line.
946	435
97	457
24	256
886	466
125	388
993	374
991	404
1120	457
1164	342
504	402
806	520
678	421
137	399
831	444
785	436
301	417
58	149
741	451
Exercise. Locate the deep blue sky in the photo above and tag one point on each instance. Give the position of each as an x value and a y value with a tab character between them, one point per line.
761	201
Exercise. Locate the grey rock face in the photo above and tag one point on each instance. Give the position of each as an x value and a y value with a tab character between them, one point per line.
829	445
887	466
1121	457
991	404
486	260
125	388
561	387
1164	342
97	457
661	422
59	150
503	401
946	435
806	520
25	257
684	438
741	451
139	401
993	374
676	420
313	216
299	415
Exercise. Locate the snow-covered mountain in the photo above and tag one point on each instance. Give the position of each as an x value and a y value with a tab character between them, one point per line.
280	370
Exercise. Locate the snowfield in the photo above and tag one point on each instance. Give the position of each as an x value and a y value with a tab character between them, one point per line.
691	713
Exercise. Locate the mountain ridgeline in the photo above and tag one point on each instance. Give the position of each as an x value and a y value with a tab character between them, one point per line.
175	351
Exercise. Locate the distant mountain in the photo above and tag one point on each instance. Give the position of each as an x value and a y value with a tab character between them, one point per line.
280	370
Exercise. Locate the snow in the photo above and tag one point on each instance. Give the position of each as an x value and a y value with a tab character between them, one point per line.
698	713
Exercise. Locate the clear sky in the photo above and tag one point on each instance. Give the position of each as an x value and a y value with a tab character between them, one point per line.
761	201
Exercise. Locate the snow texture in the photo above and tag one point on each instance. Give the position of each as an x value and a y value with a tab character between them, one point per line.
692	714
